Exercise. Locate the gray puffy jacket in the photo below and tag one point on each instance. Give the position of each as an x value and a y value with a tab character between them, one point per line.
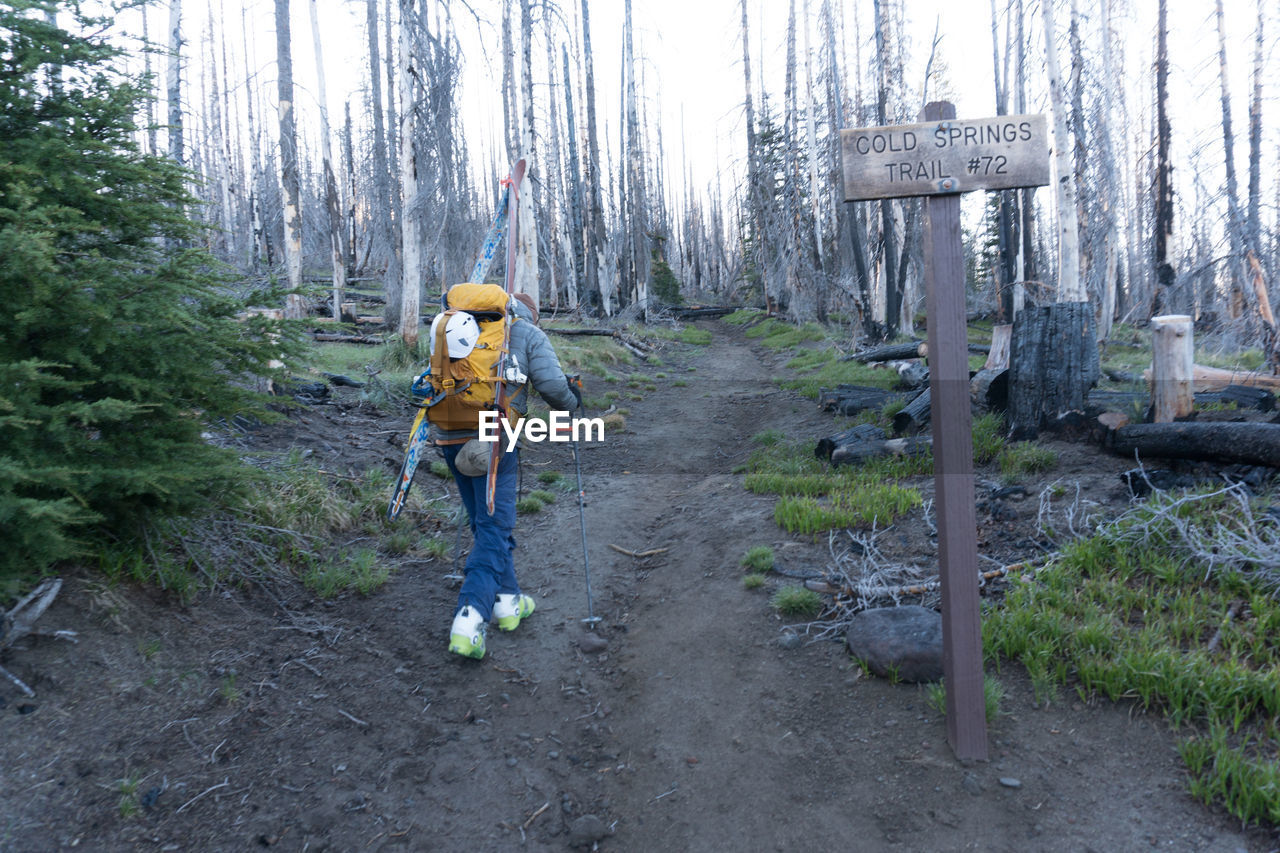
532	351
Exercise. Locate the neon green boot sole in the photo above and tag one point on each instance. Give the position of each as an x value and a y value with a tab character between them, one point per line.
510	610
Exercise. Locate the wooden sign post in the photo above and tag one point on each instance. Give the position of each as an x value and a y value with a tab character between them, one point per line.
940	159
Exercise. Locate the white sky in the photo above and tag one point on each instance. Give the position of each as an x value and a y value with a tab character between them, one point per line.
692	69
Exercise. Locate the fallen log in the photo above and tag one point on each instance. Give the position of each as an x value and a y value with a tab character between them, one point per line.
911	374
859	452
890	352
637	347
1123	376
859	433
852	399
915	415
1243	396
695	311
1216	378
1245	443
330	337
608	333
989	389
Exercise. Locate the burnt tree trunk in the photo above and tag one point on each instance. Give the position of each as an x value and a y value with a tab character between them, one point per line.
1244	443
1053	362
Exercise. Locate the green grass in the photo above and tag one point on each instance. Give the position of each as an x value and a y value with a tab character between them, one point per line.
814	497
779	335
435	547
543	495
596	355
529	505
350	360
1129	613
821	368
743	317
1021	458
128	805
753	580
550	478
988	437
758	559
360	570
876	505
796	602
293	520
992	697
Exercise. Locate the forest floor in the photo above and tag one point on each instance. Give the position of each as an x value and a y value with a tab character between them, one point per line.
344	725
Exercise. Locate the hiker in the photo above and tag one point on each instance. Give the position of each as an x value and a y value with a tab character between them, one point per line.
472	333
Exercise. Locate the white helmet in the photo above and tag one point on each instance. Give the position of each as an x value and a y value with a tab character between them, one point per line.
473	459
461	334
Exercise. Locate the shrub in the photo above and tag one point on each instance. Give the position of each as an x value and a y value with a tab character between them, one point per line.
796	601
120	347
758	559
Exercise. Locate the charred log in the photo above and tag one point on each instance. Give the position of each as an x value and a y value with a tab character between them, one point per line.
856	454
858	434
914	416
1245	443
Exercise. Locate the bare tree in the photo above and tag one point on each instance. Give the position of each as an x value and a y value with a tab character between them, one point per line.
173	82
527	239
1165	275
1070	285
638	210
381	196
593	227
410	247
332	206
1253	230
294	302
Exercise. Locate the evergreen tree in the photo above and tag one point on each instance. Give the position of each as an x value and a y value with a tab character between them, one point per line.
119	347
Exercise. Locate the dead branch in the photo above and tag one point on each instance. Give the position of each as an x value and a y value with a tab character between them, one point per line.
639	554
1232	613
18	682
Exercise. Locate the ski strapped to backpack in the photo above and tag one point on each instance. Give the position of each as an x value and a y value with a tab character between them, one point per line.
425	392
500	401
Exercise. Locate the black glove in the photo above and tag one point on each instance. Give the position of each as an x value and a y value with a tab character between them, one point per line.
575	388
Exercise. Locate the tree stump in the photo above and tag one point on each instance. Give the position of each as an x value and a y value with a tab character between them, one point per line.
1053	362
1173	358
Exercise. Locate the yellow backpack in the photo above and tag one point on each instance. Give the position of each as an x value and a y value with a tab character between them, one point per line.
463	388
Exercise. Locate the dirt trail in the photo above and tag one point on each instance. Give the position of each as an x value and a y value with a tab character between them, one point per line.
694	730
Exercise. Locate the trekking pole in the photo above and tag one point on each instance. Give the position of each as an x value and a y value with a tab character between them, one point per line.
592	618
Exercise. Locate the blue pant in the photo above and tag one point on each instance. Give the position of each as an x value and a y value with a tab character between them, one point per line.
490	569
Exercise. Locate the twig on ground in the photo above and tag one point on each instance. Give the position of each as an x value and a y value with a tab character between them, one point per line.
21	685
1232	612
535	815
639	554
356	720
666	793
226	783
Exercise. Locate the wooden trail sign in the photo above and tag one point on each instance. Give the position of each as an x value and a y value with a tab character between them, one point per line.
945	156
939	159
